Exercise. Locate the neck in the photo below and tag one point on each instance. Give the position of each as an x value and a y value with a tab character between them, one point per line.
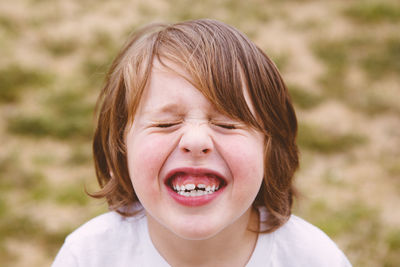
233	246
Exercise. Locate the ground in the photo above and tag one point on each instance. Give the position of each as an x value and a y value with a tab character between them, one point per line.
340	60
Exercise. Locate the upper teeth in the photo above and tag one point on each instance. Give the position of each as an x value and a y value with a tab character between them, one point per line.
192	192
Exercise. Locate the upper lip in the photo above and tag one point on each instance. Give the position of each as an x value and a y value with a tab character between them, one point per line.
193	171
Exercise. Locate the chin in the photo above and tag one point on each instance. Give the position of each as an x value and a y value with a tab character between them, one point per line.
195	230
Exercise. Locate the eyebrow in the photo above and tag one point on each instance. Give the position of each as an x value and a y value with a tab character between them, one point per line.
166	109
177	110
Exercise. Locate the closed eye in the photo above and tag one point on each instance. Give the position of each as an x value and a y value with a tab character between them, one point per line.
226	126
165	125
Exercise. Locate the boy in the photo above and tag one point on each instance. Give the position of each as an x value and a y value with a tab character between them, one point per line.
195	153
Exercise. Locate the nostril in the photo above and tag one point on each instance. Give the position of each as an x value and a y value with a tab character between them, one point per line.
206	150
186	150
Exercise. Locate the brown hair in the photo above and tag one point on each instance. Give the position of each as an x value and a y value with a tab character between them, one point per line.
218	59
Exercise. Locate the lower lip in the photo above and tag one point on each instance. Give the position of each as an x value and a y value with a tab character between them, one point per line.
194	201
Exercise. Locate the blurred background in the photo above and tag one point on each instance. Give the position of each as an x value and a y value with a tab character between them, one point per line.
339	58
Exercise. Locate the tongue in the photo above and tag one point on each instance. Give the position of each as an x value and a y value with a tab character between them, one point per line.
184	179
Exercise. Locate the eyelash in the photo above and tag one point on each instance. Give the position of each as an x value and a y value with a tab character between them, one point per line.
227	126
165	125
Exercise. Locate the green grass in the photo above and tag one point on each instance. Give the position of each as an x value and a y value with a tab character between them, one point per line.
249	10
7	258
304	99
71	195
234	12
346	220
281	60
356	223
40	126
43	160
22	227
69	115
393	243
10	25
15	79
371	12
314	139
384	60
368	48
373	102
332	178
335	55
393	168
18	226
393	240
100	53
80	156
40	190
60	47
377	58
3	207
14	177
94	68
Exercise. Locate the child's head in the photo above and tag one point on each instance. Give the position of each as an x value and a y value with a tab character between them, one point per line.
233	75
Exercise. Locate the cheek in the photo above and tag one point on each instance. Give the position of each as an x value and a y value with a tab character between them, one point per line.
245	156
145	158
246	162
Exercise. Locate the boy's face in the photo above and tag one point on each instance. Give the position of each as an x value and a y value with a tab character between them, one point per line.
194	170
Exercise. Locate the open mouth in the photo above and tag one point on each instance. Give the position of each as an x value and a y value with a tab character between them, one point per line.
195	184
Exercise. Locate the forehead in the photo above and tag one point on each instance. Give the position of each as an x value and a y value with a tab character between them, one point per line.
225	90
168	82
169	85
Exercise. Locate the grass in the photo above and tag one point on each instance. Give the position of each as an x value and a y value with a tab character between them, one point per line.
377	58
13	176
333	178
10	25
314	139
22	227
304	99
393	242
342	221
60	47
3	207
32	183
356	223
40	126
281	60
69	116
234	12
393	168
71	195
15	79
80	156
7	258
369	46
335	55
373	102
40	190
370	12
384	60
100	53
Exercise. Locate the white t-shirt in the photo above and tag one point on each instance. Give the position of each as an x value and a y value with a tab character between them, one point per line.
111	240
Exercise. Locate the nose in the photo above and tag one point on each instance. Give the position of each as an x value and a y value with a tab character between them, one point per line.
196	141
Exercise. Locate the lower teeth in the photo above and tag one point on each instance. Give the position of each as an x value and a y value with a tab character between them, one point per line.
194	193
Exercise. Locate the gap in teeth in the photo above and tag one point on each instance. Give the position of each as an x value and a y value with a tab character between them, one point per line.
195	190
